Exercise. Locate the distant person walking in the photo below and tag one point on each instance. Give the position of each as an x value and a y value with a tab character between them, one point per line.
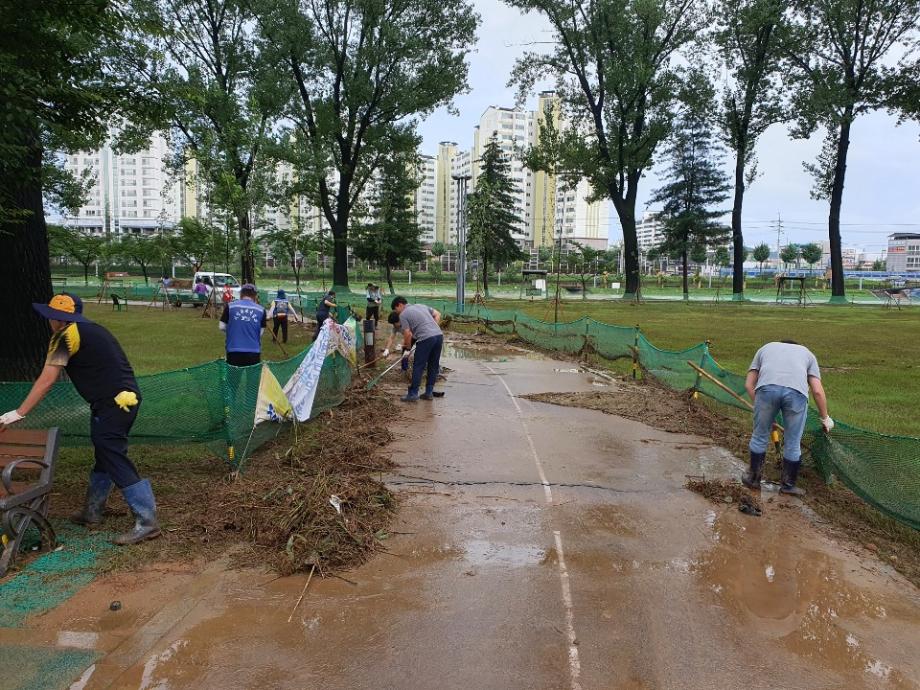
103	377
244	321
778	380
227	295
323	309
421	323
373	303
279	312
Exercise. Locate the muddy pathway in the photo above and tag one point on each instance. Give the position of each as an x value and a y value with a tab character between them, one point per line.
537	546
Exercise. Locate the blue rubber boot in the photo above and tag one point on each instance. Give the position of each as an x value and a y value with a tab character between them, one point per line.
100	486
139	498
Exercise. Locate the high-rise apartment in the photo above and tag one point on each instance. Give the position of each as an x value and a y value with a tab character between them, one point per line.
425	195
130	193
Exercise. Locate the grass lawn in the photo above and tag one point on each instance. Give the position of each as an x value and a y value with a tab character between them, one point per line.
157	340
870	357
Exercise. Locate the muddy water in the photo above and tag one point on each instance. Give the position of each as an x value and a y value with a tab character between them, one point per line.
612	576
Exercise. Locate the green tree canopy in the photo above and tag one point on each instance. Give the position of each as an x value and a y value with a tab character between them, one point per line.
761	253
619	77
790	254
392	237
79	244
811	253
360	73
492	211
749	36
694	185
847	58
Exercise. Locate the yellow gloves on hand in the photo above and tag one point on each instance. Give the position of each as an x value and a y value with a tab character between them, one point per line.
126	400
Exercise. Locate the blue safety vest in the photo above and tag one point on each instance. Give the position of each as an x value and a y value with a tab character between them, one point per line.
245	321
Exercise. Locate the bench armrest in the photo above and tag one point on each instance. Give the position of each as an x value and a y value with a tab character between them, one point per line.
7	476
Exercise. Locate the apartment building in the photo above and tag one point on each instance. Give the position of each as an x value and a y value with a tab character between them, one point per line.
129	194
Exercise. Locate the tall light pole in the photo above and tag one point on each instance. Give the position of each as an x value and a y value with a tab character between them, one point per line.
461	239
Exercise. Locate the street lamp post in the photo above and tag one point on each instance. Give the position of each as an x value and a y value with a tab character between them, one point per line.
461	239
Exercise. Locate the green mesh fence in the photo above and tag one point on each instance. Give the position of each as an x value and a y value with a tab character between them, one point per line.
212	404
883	470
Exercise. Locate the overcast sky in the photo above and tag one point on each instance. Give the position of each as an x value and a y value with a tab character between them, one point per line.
882	193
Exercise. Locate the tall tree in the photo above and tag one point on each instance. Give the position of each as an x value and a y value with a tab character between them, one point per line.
694	184
393	236
145	252
61	90
617	72
761	253
361	72
790	254
587	263
220	100
848	57
749	35
291	245
811	254
79	244
491	211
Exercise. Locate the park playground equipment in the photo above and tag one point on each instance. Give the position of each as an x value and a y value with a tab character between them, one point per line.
214	404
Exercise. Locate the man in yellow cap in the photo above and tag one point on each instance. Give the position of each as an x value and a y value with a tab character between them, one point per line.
101	374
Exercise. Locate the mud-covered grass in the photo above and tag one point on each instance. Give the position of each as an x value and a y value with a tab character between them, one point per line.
277	513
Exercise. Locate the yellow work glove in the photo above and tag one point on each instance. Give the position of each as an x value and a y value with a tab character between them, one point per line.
126	400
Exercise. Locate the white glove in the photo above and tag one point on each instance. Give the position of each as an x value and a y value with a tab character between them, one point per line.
827	423
386	353
10	417
399	347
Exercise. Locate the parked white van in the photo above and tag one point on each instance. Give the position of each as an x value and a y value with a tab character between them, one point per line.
218	280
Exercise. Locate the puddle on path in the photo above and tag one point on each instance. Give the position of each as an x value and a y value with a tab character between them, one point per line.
486	352
487	553
798	597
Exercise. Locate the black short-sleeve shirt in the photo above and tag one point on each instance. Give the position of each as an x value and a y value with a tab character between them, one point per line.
94	361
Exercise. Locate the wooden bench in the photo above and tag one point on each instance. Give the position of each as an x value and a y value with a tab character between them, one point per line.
30	455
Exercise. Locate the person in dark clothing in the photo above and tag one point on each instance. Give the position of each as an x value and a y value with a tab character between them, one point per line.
323	310
280	312
244	321
102	375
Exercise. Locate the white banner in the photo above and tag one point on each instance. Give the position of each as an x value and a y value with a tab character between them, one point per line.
301	389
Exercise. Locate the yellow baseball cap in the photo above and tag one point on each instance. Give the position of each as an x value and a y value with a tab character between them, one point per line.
62	307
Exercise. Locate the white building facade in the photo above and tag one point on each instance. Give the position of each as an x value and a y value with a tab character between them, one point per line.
131	193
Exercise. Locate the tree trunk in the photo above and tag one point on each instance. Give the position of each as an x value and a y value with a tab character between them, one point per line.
838	293
85	274
737	235
631	251
683	258
25	266
390	279
340	255
485	274
247	260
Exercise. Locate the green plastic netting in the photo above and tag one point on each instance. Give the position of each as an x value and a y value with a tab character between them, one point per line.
214	404
883	470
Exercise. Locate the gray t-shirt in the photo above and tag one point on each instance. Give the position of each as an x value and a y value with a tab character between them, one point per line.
784	364
420	320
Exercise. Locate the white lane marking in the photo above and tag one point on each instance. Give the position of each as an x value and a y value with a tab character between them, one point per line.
574	661
83	680
547	491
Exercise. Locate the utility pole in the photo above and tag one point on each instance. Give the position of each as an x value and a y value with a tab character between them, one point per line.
461	239
779	232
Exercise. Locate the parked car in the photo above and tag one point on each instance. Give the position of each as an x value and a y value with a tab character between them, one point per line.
218	280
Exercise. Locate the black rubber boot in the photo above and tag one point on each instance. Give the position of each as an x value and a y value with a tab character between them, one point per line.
790	476
100	485
751	479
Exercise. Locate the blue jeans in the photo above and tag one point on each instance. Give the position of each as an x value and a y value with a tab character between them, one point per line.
427	358
770	401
